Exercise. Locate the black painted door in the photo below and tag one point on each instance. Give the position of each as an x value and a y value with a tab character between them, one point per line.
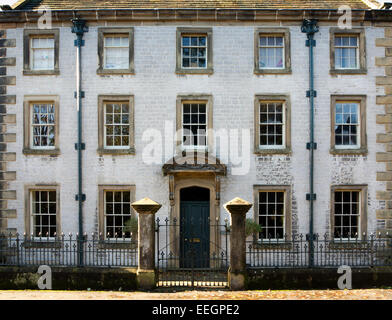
195	234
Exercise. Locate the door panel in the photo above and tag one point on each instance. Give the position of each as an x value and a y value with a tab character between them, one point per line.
194	234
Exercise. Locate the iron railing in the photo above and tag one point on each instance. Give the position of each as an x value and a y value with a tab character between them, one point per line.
197	266
294	252
65	250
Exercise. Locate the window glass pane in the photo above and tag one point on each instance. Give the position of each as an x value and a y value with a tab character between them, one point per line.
43	59
271	52
347	125
117	213
271	124
194	124
271	214
43	125
44	213
194	52
116	125
346	51
116	52
346	211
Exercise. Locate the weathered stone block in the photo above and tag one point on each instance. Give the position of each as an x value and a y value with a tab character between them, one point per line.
383	195
8	118
383	214
8	195
388	32
381	80
385	61
383	42
8	99
383	156
146	279
388	89
384	99
8	213
236	281
7	156
384	176
8	80
7	61
9	176
384	118
8	137
384	137
3	204
7	43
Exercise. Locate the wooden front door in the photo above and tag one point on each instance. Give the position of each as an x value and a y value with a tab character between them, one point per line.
194	234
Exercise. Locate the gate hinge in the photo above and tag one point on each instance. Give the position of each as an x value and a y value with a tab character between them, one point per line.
310	196
313	42
81	94
311	145
311	93
83	197
82	146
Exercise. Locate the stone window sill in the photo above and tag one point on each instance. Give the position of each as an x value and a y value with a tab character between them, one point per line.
32	244
119	244
261	152
274	244
130	151
195	71
115	71
361	151
49	152
272	71
348	244
347	71
41	72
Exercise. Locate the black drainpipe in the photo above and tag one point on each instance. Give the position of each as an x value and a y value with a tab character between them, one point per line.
79	28
309	26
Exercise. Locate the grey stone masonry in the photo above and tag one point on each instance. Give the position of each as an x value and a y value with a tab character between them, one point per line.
7	116
146	208
237	209
384	215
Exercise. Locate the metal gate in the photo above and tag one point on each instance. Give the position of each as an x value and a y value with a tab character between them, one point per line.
192	253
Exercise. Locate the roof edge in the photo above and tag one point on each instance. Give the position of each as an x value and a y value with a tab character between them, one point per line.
194	14
373	4
19	3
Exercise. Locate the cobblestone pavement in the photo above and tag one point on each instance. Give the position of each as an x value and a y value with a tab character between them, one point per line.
369	294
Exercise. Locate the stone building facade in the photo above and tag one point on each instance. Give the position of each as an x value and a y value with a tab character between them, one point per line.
230	87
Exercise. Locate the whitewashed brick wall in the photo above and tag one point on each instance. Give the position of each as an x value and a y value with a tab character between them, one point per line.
233	86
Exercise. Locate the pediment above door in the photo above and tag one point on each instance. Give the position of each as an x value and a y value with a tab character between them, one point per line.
198	162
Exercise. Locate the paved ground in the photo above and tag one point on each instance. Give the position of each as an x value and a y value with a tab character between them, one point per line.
371	294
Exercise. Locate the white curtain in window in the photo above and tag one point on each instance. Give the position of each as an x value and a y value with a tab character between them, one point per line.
116	52
42	53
